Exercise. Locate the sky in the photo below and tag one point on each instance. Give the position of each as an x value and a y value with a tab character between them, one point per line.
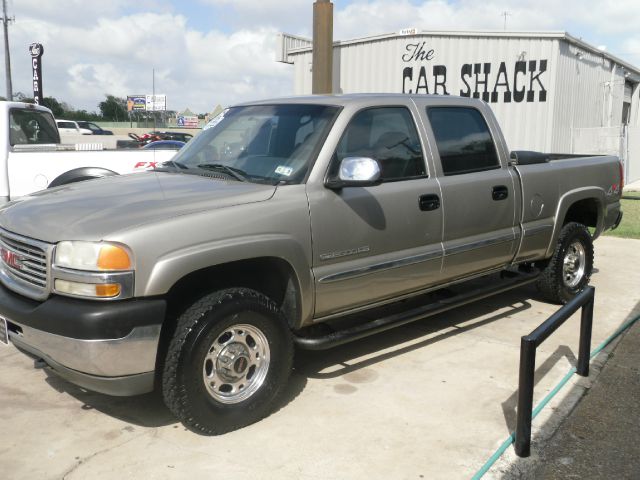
220	52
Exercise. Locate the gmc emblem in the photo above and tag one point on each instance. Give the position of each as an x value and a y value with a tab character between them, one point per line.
11	259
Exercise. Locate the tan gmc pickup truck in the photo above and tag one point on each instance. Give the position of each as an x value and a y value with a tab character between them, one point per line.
201	277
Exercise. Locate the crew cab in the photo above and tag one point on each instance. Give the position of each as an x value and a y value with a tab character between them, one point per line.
306	222
32	157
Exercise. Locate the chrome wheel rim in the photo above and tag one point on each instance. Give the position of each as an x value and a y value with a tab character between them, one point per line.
574	264
236	363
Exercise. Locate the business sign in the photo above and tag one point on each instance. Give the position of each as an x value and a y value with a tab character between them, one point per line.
136	103
187	121
494	82
36	50
156	103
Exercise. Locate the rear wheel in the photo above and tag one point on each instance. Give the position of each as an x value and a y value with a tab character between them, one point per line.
569	269
228	362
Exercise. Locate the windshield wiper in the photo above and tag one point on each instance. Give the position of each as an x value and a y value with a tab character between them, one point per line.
175	165
234	172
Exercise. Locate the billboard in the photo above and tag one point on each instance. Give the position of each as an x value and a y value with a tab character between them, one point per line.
136	103
156	103
187	121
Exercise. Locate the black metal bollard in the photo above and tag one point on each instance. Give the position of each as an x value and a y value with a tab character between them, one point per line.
528	345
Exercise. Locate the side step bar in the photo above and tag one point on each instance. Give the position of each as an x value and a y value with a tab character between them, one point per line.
372	327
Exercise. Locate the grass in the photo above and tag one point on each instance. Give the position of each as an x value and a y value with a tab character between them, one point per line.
630	225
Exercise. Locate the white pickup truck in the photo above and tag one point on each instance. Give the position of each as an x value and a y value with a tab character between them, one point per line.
32	157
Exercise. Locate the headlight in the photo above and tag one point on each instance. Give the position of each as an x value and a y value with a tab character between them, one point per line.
92	256
98	270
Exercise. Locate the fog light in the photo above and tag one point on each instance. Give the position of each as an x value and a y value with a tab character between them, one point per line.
101	290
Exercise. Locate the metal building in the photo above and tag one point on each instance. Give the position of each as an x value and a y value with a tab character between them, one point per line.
550	91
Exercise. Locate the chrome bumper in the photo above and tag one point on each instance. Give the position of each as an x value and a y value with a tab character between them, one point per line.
121	366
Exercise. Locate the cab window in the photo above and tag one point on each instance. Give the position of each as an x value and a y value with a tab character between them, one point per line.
28	127
463	139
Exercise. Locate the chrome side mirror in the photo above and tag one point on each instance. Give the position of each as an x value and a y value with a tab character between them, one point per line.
356	172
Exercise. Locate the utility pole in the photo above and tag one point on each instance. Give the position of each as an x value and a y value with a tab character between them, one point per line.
7	59
153	95
322	74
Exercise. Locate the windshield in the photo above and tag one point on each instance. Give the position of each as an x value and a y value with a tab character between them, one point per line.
260	143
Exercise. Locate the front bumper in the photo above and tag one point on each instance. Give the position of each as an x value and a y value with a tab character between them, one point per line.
109	347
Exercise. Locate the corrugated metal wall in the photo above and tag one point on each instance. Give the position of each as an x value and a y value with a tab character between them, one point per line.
589	93
563	90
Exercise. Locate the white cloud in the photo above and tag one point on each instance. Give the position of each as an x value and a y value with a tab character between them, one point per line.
93	48
81	63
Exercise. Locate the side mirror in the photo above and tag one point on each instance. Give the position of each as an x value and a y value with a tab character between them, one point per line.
356	172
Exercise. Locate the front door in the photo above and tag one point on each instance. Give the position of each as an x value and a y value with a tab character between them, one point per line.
375	243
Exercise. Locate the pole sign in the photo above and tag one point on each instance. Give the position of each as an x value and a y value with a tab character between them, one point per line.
36	50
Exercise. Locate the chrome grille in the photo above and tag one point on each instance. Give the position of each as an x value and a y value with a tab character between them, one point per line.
24	265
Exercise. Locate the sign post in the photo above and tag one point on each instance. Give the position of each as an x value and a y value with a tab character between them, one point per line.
36	50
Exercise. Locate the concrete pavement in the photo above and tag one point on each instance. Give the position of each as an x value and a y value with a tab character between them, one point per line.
601	437
431	400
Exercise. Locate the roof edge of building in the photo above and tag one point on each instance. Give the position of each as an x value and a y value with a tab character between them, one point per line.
560	35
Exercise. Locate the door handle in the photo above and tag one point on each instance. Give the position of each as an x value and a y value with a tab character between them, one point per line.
429	202
499	192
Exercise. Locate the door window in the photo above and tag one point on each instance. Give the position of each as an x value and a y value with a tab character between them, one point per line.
463	140
388	135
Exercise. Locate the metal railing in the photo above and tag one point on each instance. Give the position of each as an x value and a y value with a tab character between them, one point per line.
528	345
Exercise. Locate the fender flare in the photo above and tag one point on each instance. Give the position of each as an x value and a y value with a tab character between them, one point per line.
596	193
80	174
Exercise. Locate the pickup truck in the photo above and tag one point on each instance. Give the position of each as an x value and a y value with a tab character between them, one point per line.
32	157
308	222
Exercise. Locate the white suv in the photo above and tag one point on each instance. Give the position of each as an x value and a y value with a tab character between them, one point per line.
71	127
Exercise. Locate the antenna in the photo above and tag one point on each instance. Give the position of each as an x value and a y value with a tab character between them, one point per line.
7	59
505	14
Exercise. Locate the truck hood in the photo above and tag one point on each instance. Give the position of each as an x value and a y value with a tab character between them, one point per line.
91	210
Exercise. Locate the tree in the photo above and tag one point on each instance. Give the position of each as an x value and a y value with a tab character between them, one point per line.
114	108
21	97
55	106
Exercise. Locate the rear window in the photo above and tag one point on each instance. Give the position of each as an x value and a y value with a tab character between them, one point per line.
463	139
29	127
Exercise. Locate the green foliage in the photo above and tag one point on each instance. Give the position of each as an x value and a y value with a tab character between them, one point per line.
630	225
55	106
114	108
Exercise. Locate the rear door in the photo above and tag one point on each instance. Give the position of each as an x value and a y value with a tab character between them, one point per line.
478	190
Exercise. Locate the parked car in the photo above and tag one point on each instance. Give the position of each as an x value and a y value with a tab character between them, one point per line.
70	127
95	129
198	278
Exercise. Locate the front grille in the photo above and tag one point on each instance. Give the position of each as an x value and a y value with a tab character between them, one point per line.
24	265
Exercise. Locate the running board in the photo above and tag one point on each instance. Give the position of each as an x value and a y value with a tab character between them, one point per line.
372	327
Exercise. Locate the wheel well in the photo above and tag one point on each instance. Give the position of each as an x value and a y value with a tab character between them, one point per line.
79	175
584	212
271	276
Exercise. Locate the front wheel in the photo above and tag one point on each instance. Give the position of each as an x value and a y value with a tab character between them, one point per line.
569	269
228	361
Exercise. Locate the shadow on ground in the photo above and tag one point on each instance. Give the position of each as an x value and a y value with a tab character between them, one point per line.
149	410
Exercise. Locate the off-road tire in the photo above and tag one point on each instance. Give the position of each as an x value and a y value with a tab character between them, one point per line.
552	284
183	386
